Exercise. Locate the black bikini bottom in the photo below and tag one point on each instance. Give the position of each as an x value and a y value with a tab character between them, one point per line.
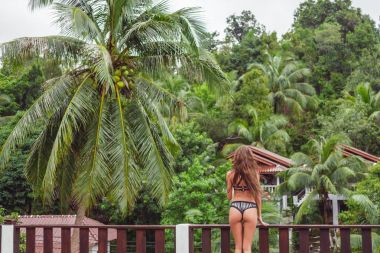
243	205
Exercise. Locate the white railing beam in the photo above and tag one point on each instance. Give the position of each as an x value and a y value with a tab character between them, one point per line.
7	237
182	238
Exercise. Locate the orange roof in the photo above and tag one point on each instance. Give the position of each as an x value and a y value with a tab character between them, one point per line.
273	157
61	220
269	162
347	151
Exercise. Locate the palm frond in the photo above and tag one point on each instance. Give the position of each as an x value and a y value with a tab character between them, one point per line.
126	180
75	22
42	108
77	114
103	67
327	184
299	180
156	159
305	207
192	27
61	48
94	176
368	207
363	91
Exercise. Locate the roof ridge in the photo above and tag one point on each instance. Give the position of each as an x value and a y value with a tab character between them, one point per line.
47	215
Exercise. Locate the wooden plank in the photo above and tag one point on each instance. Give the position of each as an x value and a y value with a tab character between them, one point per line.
84	240
30	240
345	240
264	240
206	240
102	240
66	240
121	241
159	238
48	240
16	241
225	243
325	240
304	240
366	240
191	240
174	236
284	240
140	241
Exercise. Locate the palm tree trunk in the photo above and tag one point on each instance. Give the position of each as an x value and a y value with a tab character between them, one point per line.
325	210
79	220
275	105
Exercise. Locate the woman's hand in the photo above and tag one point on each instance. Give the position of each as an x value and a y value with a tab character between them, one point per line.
261	222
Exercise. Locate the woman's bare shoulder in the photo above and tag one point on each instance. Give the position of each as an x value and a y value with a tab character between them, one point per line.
229	173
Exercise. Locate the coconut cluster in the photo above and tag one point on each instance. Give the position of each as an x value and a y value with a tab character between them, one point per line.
123	77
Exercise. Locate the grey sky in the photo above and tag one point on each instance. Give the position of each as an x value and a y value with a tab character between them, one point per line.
16	20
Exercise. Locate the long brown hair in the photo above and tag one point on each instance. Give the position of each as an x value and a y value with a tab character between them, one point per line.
246	169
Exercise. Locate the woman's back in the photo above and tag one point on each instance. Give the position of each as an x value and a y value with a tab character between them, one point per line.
241	191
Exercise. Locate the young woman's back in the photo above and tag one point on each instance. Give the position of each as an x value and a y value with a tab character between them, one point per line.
243	188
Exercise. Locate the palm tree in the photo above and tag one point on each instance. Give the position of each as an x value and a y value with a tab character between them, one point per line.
269	134
324	170
102	130
187	102
4	98
289	94
365	94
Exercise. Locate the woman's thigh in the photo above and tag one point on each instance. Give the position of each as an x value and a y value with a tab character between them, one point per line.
235	219
250	222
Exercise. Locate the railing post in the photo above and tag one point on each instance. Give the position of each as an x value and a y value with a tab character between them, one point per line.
7	237
182	238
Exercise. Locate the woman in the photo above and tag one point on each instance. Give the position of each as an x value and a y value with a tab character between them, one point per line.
243	188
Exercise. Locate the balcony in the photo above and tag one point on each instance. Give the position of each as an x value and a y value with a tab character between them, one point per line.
184	238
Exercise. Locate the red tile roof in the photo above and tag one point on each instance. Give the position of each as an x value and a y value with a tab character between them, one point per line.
269	162
347	151
61	220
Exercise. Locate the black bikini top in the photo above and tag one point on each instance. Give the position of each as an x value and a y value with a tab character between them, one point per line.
242	188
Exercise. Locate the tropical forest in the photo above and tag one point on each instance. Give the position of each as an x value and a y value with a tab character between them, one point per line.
129	115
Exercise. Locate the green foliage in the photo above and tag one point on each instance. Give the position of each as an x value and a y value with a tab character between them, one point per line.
330	37
240	25
22	87
289	91
344	116
199	196
117	134
368	188
109	136
15	193
194	144
323	170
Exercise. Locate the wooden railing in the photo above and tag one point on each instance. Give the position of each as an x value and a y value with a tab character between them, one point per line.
201	235
303	231
269	188
66	233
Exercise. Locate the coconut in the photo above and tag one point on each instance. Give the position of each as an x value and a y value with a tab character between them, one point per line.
118	72
120	84
116	78
124	68
126	73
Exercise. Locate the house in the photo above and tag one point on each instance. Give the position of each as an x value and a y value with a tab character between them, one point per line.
40	220
271	164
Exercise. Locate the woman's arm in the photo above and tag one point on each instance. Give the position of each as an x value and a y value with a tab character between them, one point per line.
229	185
259	204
